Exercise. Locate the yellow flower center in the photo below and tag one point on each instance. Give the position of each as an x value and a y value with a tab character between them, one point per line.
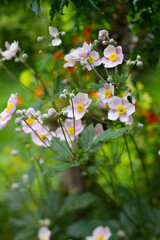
2	119
9	107
100	237
107	93
43	237
71	130
113	57
84	51
30	120
43	137
120	109
91	59
80	107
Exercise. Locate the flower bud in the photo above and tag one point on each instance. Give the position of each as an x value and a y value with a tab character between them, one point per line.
109	79
63	33
139	64
128	63
14	153
83	62
17	59
140	125
41	161
45	116
19	113
52	112
15	186
121	234
65	91
65	113
71	95
158	152
18	121
24	56
62	96
104	42
25	178
138	57
40	38
111	40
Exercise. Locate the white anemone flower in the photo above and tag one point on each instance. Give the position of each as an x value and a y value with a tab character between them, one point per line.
55	33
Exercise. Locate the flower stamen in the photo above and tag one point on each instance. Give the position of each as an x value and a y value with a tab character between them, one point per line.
91	59
9	107
120	109
113	57
107	93
80	107
71	130
30	121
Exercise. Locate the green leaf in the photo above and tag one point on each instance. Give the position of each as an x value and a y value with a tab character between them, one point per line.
86	138
60	147
35	6
60	167
96	86
37	105
110	134
57	6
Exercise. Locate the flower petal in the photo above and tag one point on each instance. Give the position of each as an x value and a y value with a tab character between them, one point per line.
113	115
53	31
56	42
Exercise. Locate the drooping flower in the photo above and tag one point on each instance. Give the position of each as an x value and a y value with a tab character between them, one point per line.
80	103
103	34
113	56
70	130
121	108
4	119
11	50
98	130
42	137
93	60
106	93
55	33
100	233
44	233
31	121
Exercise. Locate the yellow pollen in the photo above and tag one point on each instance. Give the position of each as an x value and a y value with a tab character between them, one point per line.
84	51
30	120
107	93
80	107
43	237
100	237
91	59
71	130
113	57
9	107
43	137
2	119
120	109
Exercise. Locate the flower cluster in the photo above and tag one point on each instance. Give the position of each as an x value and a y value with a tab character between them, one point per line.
6	114
118	107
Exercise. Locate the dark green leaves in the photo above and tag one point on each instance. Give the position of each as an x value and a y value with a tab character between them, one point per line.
57	6
86	140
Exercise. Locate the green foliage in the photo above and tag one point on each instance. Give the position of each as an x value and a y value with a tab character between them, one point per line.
35	6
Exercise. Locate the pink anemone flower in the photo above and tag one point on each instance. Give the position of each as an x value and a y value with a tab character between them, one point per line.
70	130
121	108
106	93
43	136
100	233
93	60
80	103
4	119
113	56
44	233
31	121
11	50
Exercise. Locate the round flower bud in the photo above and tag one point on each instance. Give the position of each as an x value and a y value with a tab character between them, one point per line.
18	121
109	79
62	96
15	186
140	125
72	95
111	40
45	116
52	112
16	59
121	234
41	161
128	63
63	33
65	113
83	63
19	113
24	111
14	152
133	62
129	90
40	39
24	56
104	42
139	64
138	57
65	91
25	177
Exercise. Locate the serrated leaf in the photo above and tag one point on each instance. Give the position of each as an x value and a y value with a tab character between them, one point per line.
57	6
110	134
96	86
60	147
86	138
